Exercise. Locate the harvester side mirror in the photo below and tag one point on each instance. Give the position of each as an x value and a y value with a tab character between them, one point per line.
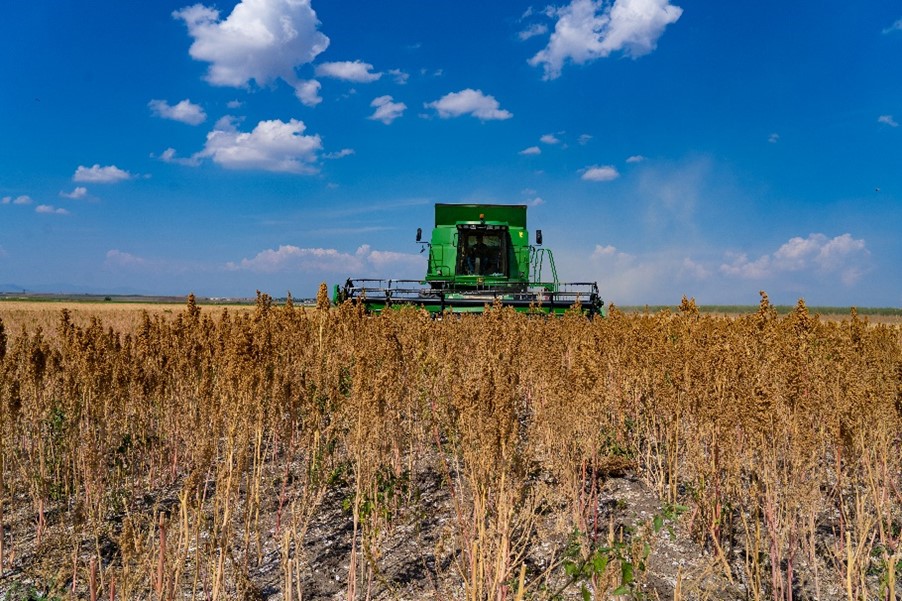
419	234
538	236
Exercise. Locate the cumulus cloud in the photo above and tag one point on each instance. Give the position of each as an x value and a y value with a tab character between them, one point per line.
271	146
584	139
261	40
386	109
651	276
118	258
24	199
842	254
603	251
308	92
78	192
100	175
355	71
185	111
773	138
549	139
170	156
289	258
888	120
469	102
590	29
532	150
387	262
636	158
50	210
603	173
399	76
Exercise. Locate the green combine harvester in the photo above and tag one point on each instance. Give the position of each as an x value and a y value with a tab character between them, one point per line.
479	255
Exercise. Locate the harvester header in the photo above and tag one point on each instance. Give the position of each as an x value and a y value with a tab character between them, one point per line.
479	255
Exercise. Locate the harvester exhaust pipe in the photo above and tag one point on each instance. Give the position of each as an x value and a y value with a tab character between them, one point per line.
538	236
419	234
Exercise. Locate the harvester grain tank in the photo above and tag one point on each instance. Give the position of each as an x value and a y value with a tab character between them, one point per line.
479	255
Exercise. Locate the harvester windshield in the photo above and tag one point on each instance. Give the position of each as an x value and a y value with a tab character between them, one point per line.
482	251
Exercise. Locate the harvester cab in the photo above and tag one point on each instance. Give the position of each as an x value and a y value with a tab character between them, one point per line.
479	255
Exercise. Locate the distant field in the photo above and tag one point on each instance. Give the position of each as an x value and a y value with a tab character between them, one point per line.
118	305
887	315
120	315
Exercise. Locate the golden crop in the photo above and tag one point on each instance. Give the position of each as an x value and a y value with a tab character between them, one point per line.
161	459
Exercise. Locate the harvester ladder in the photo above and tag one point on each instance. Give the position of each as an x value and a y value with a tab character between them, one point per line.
537	261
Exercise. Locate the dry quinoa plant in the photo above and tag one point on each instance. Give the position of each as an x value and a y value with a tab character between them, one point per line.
200	453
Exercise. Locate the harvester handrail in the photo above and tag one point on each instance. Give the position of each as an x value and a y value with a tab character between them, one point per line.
537	261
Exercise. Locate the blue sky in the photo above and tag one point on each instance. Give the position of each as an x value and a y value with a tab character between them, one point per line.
712	149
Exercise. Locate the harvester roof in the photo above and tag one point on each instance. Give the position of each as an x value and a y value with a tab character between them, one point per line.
451	214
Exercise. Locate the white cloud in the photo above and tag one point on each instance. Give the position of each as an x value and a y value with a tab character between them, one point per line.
534	202
185	111
308	92
389	262
355	71
289	258
773	138
533	30
261	40
888	120
271	146
603	173
118	258
842	254
50	210
650	277
169	156
636	158
693	270
344	152
399	76
549	139
24	199
469	102
897	26
584	139
386	109
100	175
740	266
603	251
532	150
590	29
234	104
78	192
